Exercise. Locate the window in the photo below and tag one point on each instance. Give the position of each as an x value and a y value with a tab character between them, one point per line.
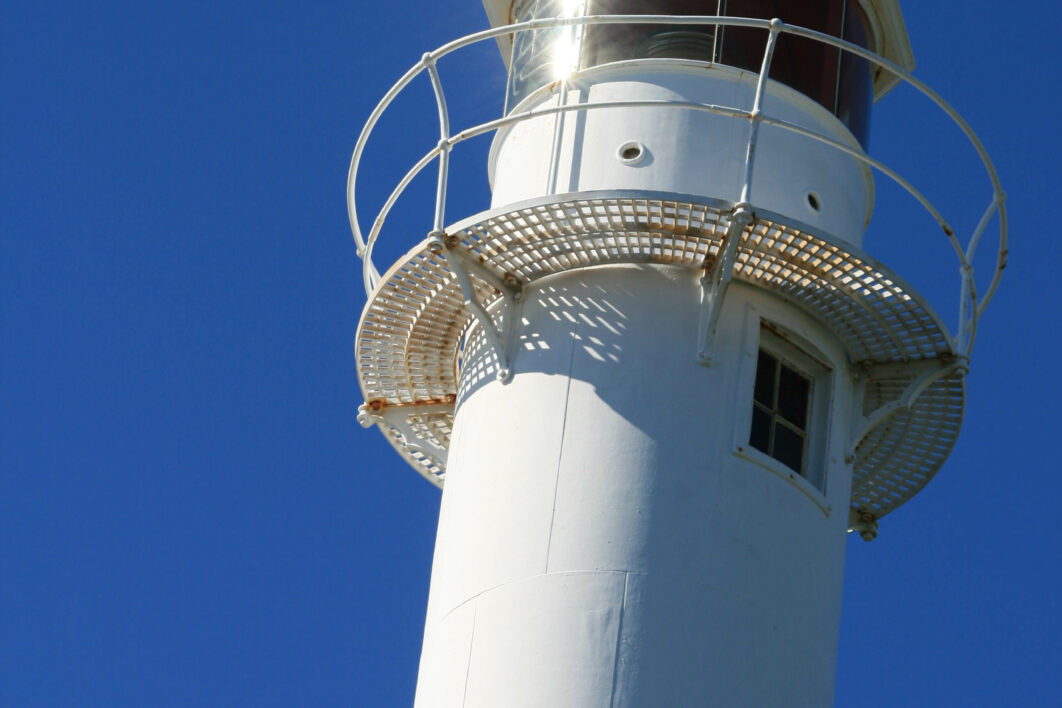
785	428
840	82
780	406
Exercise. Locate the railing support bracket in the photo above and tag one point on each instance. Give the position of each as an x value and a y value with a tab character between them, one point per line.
501	341
714	283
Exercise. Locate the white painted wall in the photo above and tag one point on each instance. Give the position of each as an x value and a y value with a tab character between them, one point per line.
686	152
603	539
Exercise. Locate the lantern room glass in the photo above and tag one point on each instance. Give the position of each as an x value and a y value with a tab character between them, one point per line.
839	81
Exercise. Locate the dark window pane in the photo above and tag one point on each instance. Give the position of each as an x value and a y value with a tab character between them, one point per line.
760	437
534	53
605	43
764	391
855	89
808	66
788	447
686	44
793	397
843	86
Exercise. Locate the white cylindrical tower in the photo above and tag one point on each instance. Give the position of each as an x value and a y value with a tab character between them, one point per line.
610	534
659	376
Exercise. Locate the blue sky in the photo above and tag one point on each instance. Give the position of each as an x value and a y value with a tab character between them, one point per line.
189	512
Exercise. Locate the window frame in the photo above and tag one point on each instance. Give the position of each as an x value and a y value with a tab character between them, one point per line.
800	355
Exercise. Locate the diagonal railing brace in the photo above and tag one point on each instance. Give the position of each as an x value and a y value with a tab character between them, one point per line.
462	264
714	283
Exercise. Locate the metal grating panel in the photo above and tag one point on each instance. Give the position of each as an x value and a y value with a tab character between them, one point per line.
412	329
899	458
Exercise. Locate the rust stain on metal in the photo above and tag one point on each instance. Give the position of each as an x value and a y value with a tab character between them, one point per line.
378	404
776	331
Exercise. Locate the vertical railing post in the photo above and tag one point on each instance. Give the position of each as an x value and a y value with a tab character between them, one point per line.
444	143
757	108
969	309
714	283
558	138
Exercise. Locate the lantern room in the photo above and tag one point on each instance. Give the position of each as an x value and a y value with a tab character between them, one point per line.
819	87
841	83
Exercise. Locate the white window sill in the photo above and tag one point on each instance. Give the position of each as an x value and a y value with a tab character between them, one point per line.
772	465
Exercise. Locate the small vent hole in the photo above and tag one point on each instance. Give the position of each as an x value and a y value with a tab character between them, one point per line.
631	152
814	203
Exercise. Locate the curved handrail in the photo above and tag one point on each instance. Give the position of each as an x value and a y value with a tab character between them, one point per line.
513	118
970	309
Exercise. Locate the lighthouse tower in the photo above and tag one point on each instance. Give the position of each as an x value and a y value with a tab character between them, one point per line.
658	378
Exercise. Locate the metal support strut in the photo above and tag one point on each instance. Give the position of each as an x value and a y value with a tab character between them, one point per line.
462	265
714	284
396	416
864	523
926	373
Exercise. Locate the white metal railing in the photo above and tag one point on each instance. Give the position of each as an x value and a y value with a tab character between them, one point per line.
971	306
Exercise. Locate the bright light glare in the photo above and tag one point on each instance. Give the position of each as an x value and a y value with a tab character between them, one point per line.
565	57
569	43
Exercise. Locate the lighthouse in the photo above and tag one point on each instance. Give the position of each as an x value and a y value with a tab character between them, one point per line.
659	376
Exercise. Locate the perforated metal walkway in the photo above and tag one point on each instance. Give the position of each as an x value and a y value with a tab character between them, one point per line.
413	326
